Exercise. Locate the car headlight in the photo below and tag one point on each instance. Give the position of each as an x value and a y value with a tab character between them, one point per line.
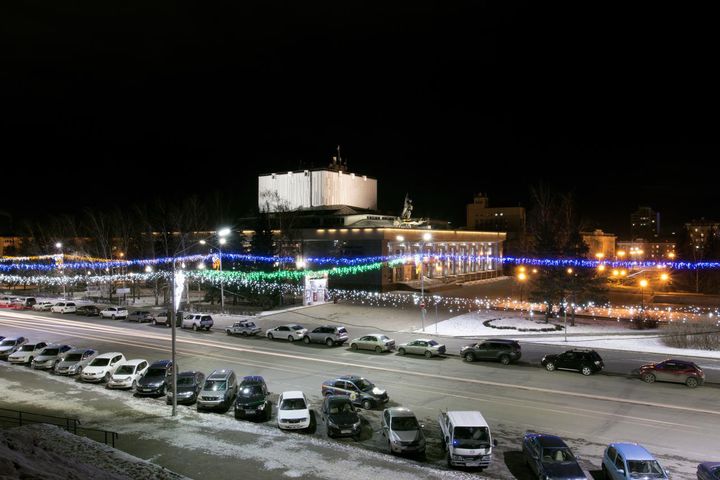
356	424
597	362
331	423
261	407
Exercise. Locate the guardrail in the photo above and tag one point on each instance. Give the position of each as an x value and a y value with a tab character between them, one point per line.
9	417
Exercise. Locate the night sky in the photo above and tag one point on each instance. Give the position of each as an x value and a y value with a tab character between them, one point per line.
109	103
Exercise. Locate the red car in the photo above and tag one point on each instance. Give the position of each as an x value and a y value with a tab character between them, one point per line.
671	370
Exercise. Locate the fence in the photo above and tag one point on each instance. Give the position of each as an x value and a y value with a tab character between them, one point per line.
19	418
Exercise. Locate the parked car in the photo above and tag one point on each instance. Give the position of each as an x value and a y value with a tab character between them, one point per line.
197	321
50	356
671	370
290	332
189	385
64	307
360	391
549	456
340	417
584	361
422	346
88	311
402	431
156	379
127	374
253	399
376	341
47	306
101	368
708	471
293	411
5	302
466	437
244	328
503	351
42	306
10	345
26	353
162	318
24	303
114	312
625	461
330	335
218	391
74	361
140	316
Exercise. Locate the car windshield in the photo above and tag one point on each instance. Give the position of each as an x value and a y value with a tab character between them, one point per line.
214	385
557	455
382	338
73	357
100	362
341	330
248	325
471	437
340	406
251	390
185	381
644	467
364	385
433	343
404	423
293	404
49	351
156	372
296	327
27	348
126	370
7	343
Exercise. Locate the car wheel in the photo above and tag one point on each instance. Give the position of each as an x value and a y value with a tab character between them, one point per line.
390	450
428	354
378	349
504	359
367	404
401	351
113	317
306	339
106	377
354	346
586	370
134	385
290	338
228	332
29	362
244	334
270	336
329	342
194	327
691	382
648	378
268	412
469	357
550	366
154	322
605	472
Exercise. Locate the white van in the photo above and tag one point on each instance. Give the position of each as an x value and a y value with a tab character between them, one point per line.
466	438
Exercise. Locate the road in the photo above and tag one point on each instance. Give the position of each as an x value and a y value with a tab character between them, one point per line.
674	422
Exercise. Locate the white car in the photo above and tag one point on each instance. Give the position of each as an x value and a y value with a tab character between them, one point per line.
50	356
127	374
64	307
102	367
42	306
10	345
375	341
114	312
293	411
27	352
289	332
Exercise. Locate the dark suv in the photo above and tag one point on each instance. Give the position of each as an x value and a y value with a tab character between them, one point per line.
503	351
584	361
252	399
156	379
360	391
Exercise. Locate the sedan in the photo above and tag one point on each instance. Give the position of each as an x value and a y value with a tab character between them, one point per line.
376	341
189	385
88	311
549	456
50	356
114	312
27	352
429	348
290	332
293	411
140	316
708	471
127	374
340	417
42	306
676	371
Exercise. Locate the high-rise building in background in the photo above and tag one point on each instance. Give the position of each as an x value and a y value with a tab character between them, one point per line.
480	216
645	224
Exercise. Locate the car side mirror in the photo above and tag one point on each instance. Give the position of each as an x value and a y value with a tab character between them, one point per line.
495	444
621	471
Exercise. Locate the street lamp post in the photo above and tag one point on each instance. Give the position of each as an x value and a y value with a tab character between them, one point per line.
426	238
59	245
643	284
222	240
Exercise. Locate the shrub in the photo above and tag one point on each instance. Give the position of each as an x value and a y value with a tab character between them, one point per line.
701	335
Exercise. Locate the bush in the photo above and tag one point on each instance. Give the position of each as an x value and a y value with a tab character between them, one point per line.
701	335
638	322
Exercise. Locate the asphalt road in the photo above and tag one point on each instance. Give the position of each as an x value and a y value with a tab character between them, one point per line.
676	423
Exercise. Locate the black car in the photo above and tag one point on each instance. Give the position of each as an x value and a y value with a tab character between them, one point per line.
156	379
140	316
360	391
88	311
340	417
549	456
584	361
252	399
503	351
188	387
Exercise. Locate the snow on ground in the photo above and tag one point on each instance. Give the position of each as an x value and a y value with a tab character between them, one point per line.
49	452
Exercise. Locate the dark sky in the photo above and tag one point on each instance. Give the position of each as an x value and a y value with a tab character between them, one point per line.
117	102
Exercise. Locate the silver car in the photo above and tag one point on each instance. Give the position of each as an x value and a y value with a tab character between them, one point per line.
27	352
402	431
328	334
422	346
49	356
375	341
218	391
74	361
10	345
290	332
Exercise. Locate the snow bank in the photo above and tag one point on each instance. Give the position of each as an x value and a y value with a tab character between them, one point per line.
49	452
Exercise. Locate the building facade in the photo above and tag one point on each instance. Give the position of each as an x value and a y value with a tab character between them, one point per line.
644	223
511	220
600	244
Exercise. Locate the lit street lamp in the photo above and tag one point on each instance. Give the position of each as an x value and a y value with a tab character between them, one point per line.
643	284
222	233
59	245
522	278
427	237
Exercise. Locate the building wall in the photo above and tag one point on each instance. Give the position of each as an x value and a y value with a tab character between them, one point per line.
314	188
641	250
599	242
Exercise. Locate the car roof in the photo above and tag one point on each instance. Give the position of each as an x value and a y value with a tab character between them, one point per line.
134	361
56	345
253	379
80	350
108	355
293	394
219	374
189	373
161	363
633	451
338	399
14	338
550	440
350	378
400	412
467	419
500	340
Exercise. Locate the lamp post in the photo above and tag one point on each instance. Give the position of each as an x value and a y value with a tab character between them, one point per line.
222	240
522	277
426	238
643	284
59	245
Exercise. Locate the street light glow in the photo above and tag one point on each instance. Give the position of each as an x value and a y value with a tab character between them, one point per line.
58	245
643	283
427	237
223	241
223	232
522	277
